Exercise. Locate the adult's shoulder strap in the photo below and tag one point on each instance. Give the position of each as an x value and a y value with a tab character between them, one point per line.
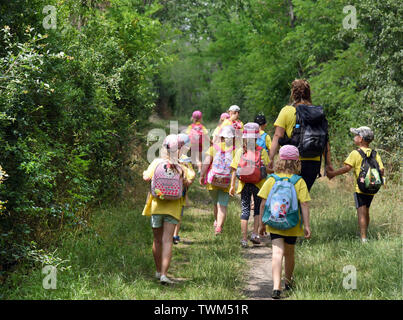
362	153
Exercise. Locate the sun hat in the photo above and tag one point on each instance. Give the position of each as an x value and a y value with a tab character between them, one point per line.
227	132
366	133
197	115
234	108
224	116
171	142
260	119
183	139
251	130
289	152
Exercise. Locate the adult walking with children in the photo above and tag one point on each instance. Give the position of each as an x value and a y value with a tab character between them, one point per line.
303	125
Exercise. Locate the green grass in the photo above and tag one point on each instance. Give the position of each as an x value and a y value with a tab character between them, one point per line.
115	260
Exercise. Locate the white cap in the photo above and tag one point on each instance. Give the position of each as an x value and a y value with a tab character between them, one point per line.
234	108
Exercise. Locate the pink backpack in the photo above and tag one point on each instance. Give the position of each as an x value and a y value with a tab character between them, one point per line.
196	134
220	171
167	183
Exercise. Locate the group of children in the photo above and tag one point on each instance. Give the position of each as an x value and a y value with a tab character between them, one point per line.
237	160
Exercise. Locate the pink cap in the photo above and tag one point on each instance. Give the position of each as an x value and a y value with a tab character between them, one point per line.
251	130
289	152
171	142
197	115
224	116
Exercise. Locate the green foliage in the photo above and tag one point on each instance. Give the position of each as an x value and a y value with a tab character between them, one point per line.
70	101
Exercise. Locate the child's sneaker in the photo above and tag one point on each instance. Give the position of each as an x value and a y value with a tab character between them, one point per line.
255	238
176	239
244	243
276	294
165	280
364	240
158	275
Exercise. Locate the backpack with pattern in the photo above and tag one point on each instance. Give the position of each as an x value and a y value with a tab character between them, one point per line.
167	182
220	170
370	178
282	208
261	141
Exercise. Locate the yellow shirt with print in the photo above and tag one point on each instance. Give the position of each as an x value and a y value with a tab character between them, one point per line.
267	140
212	151
354	160
157	206
286	119
235	162
302	195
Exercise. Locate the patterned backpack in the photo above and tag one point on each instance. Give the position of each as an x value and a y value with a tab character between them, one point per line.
261	141
196	134
220	170
167	182
251	168
282	208
370	178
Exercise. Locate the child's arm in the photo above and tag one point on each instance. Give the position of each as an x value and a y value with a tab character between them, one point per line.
305	219
342	170
205	166
232	188
261	211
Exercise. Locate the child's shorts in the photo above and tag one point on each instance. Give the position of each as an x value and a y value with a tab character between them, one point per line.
362	200
219	197
287	239
157	220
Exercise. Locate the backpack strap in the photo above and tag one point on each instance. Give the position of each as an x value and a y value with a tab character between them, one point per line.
274	176
295	178
362	153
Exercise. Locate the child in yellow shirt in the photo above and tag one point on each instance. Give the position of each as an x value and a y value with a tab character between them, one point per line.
249	190
165	214
362	138
283	241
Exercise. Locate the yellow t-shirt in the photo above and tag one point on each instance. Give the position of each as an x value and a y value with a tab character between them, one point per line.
286	119
302	195
268	139
235	162
354	160
157	206
212	152
189	128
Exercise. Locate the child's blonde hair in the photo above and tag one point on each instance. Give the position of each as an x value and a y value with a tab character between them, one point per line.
288	166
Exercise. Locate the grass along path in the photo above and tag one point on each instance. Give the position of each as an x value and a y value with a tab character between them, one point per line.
114	260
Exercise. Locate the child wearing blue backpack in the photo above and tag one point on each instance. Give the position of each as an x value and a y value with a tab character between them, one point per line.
285	211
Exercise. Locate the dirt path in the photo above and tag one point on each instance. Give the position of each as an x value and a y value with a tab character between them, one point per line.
259	283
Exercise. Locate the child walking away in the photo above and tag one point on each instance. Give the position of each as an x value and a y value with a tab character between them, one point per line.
285	210
264	141
249	166
165	201
223	117
216	174
186	161
368	171
237	124
198	135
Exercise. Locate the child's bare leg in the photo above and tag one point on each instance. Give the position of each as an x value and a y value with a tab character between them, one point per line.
215	212
177	228
289	261
362	221
221	215
157	247
277	259
168	231
256	222
244	229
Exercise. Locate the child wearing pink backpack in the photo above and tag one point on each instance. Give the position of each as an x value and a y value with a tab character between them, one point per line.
250	165
165	201
199	140
216	174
